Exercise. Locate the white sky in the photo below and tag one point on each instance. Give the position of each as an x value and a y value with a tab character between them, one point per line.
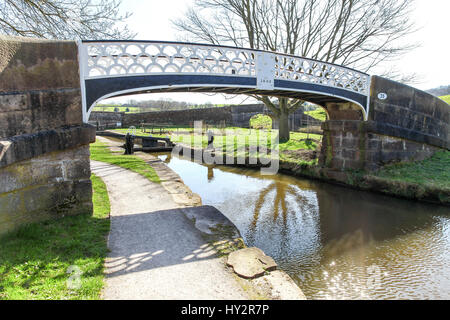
151	20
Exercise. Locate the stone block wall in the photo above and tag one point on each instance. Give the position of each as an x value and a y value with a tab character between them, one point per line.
237	116
405	124
342	143
51	185
106	117
351	144
44	146
179	117
409	113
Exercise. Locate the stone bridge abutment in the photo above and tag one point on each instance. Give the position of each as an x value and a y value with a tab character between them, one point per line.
404	124
44	145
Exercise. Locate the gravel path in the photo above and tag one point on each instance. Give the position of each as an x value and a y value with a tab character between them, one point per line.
156	251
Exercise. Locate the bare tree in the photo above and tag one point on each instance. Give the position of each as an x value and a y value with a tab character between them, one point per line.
64	19
355	33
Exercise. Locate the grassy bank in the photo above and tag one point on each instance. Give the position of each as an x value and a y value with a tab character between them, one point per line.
423	180
35	260
101	152
319	114
243	138
432	172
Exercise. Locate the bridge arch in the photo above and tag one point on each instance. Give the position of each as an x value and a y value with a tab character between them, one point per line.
117	68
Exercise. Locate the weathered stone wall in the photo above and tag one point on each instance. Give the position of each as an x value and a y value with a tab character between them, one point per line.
350	144
237	116
241	115
179	117
106	117
51	185
44	154
409	113
408	124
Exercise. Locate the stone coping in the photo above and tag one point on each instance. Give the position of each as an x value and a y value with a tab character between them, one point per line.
27	146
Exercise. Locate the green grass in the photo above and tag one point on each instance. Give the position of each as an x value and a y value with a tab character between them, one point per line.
294	144
250	137
433	172
319	114
100	198
121	109
261	121
446	98
298	140
35	259
247	137
101	152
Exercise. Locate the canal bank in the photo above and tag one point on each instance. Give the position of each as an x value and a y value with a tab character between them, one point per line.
359	180
163	223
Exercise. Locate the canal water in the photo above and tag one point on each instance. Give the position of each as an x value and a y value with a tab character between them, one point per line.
336	243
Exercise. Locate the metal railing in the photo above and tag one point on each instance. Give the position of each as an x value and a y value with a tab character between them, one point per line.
102	59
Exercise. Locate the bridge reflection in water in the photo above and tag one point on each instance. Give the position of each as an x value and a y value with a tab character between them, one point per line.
335	242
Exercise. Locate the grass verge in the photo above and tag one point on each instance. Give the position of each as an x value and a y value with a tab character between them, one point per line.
318	114
243	138
35	259
101	152
433	172
446	98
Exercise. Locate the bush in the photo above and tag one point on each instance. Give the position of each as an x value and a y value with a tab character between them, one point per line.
261	121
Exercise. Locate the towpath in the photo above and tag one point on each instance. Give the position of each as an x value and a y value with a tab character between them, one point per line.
156	251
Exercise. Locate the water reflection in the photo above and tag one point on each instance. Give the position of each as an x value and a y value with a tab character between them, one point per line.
335	242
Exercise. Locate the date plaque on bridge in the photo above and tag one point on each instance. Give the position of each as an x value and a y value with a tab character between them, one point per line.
265	70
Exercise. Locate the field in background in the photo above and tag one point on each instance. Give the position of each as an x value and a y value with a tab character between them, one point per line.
116	109
446	98
301	148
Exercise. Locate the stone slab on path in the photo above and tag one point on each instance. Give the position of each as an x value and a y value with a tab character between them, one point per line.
250	263
156	250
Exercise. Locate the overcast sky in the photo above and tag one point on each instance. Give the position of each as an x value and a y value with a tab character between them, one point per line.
151	20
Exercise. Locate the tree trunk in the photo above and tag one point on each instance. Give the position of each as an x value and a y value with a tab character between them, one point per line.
281	113
283	125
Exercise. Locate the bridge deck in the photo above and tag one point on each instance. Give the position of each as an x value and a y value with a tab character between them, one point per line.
112	68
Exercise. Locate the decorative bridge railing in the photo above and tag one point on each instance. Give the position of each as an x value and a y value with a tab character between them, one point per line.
114	59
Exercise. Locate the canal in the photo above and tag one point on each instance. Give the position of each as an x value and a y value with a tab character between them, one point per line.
335	242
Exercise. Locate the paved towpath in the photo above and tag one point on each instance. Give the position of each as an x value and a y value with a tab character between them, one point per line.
156	251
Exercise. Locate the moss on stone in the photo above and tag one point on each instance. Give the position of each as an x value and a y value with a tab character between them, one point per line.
362	143
329	149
